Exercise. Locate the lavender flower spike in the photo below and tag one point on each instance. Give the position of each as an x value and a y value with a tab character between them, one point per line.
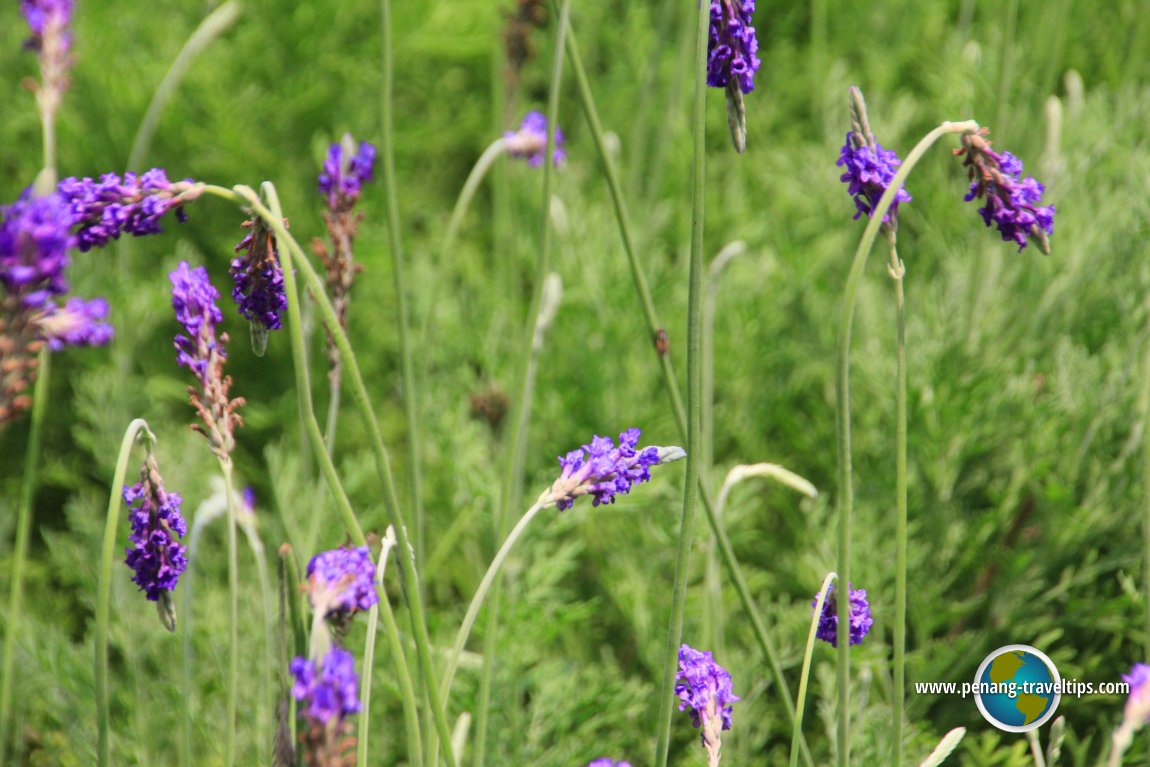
50	22
530	141
156	556
1136	714
258	281
732	48
603	471
105	209
704	689
345	171
861	620
203	352
342	580
328	693
869	171
1010	202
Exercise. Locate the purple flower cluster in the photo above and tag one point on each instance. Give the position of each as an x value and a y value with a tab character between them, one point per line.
703	687
34	243
1010	202
345	171
155	555
861	620
194	301
77	323
603	471
732	49
1138	704
530	141
105	209
607	761
46	19
258	277
869	172
342	579
330	692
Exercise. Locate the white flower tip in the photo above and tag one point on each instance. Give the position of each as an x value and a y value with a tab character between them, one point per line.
671	453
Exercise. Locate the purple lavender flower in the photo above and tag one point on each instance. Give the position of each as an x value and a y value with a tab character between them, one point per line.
732	49
345	172
258	278
861	620
869	173
48	19
34	243
203	352
105	209
703	686
156	556
342	580
329	693
605	470
1138	703
607	761
1010	202
530	141
77	323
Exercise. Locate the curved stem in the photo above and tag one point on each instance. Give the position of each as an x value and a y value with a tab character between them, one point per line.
801	703
467	194
694	390
898	272
670	383
842	401
516	455
481	594
395	246
23	532
135	429
290	246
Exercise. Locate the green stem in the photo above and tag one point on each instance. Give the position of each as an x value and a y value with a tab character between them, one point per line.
694	390
23	532
897	272
289	245
467	194
532	346
395	246
801	703
1145	402
638	275
136	428
843	441
233	617
480	595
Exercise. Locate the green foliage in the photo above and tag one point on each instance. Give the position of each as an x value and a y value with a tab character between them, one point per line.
1026	493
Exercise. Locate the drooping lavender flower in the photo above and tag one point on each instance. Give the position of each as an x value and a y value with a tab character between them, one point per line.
258	278
34	242
155	555
330	692
704	690
861	620
530	141
869	172
602	470
1010	202
105	209
732	48
345	171
203	352
342	580
607	761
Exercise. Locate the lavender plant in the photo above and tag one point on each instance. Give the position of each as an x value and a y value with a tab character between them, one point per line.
259	283
732	60
705	691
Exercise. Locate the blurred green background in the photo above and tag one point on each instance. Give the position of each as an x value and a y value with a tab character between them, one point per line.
1025	371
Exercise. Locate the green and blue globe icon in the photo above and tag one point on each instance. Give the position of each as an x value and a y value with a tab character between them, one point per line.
1017	688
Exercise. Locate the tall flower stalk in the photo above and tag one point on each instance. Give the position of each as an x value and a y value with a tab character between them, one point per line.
842	402
670	381
694	389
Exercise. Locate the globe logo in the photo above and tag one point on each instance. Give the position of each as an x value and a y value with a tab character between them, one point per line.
1017	688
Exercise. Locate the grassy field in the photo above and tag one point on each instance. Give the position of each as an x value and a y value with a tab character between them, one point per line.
1029	394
